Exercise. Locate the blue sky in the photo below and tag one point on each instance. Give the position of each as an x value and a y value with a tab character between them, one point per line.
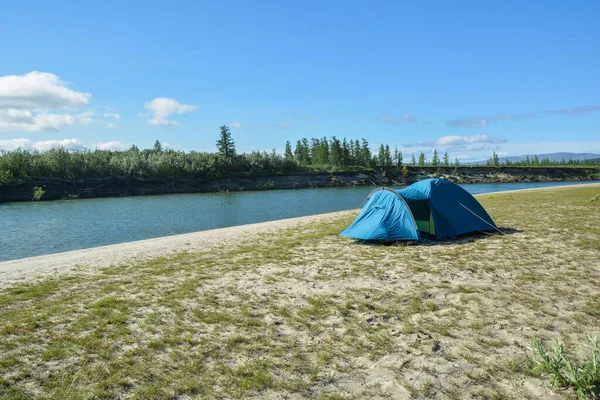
467	77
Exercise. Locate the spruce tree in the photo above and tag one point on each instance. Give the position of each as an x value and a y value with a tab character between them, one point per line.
288	151
436	160
225	144
388	156
381	155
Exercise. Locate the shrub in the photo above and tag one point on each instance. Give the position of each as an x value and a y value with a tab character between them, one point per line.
6	177
584	377
38	193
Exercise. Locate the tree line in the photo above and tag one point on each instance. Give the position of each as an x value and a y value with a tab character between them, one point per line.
315	154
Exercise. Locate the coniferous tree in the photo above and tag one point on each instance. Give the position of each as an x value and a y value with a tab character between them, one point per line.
399	159
335	155
305	151
381	156
446	159
298	152
413	162
435	162
495	159
288	151
388	156
225	144
421	159
345	156
157	146
365	153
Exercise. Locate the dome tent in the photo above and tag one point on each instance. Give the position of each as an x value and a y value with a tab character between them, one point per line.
429	208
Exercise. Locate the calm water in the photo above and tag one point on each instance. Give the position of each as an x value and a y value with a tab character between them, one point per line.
36	228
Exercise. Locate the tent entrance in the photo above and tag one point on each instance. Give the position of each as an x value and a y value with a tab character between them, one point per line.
422	213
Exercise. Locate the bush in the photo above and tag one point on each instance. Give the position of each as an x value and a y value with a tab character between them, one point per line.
584	377
5	177
38	193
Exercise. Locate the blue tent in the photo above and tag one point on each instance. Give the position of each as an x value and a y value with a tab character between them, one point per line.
429	208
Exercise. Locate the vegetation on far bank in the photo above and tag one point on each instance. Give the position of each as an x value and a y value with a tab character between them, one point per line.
314	155
308	313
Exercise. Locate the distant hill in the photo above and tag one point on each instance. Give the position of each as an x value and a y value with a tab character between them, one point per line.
551	156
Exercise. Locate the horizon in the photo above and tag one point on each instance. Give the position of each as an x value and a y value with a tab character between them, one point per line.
414	76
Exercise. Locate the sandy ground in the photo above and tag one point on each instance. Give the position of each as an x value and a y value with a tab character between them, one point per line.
319	315
24	269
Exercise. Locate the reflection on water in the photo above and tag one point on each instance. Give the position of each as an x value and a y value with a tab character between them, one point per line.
35	228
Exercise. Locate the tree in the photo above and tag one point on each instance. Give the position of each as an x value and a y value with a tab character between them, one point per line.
446	160
435	162
421	159
495	159
301	153
456	162
365	153
399	159
225	144
335	155
157	146
413	162
388	156
288	151
345	153
404	172
381	156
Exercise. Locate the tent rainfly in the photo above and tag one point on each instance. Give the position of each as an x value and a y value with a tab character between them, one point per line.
433	208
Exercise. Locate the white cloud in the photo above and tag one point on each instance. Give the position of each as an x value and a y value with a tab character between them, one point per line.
42	145
115	145
39	90
448	141
42	102
110	125
162	107
481	122
112	116
408	118
236	125
171	146
388	119
286	123
460	143
23	120
74	144
404	117
13	144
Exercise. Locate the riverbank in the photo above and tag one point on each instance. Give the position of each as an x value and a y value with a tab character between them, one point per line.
291	310
49	265
57	189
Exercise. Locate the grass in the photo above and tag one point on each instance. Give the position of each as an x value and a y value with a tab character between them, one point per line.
583	377
305	312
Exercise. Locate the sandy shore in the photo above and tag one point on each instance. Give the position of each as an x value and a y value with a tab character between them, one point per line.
47	265
42	266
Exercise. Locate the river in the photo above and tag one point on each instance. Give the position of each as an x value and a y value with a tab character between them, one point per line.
36	228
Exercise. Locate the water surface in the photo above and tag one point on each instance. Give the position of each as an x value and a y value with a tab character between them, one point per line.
36	228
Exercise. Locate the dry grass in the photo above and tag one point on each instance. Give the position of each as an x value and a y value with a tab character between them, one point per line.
304	313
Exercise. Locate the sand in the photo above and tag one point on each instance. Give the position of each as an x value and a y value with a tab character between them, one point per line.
24	269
